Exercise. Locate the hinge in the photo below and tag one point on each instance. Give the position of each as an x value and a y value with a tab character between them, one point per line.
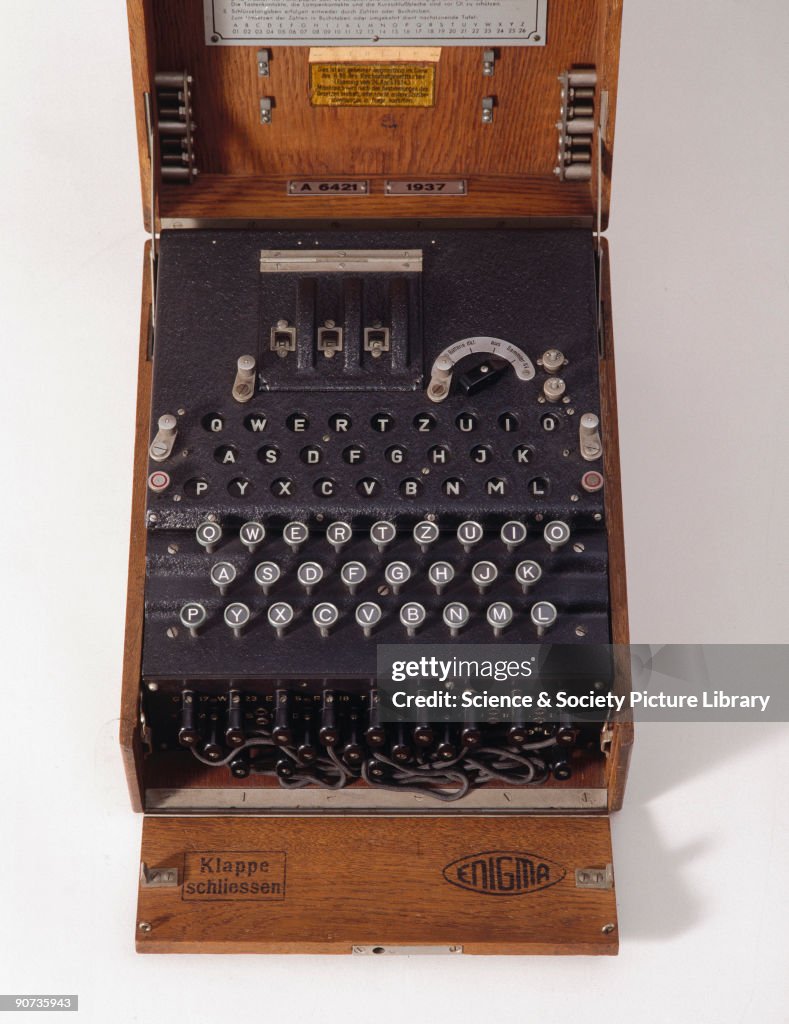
606	738
595	878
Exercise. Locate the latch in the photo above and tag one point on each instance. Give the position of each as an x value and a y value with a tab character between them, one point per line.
158	878
405	950
595	878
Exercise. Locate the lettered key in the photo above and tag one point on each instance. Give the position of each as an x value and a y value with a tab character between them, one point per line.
252	536
353	574
368	615
527	574
440	575
425	534
382	534
396	574
338	535
295	534
456	616
499	616
412	616
484	574
325	616
222	575
513	534
543	615
193	616
469	534
556	534
280	616
309	574
208	535
266	575
237	615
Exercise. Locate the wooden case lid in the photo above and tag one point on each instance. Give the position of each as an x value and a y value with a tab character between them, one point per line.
385	885
509	164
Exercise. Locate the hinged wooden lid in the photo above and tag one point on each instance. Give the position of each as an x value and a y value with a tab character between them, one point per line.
491	119
366	885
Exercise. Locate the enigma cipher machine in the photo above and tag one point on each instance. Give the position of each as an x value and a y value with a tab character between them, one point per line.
376	407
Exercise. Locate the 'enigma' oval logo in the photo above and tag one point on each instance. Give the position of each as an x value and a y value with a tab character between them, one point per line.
504	872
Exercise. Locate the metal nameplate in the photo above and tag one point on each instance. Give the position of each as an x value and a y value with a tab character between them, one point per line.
427	188
356	261
328	188
375	22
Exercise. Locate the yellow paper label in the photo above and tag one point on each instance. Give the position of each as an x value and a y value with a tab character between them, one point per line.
372	85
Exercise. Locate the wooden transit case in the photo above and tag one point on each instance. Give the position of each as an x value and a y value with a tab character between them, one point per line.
376	419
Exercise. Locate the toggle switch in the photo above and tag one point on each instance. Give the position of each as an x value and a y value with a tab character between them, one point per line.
266	575
513	534
236	616
208	535
556	534
425	534
543	615
499	616
252	536
589	437
244	385
325	615
368	615
193	616
440	575
222	575
280	616
162	445
484	575
353	574
412	616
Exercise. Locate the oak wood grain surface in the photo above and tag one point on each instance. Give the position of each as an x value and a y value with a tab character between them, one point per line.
336	883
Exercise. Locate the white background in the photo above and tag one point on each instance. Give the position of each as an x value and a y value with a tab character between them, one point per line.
701	297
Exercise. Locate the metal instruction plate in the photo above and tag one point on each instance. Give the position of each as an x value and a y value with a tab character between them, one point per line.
375	22
458	187
328	188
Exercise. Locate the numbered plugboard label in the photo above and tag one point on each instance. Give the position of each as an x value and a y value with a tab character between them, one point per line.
375	22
